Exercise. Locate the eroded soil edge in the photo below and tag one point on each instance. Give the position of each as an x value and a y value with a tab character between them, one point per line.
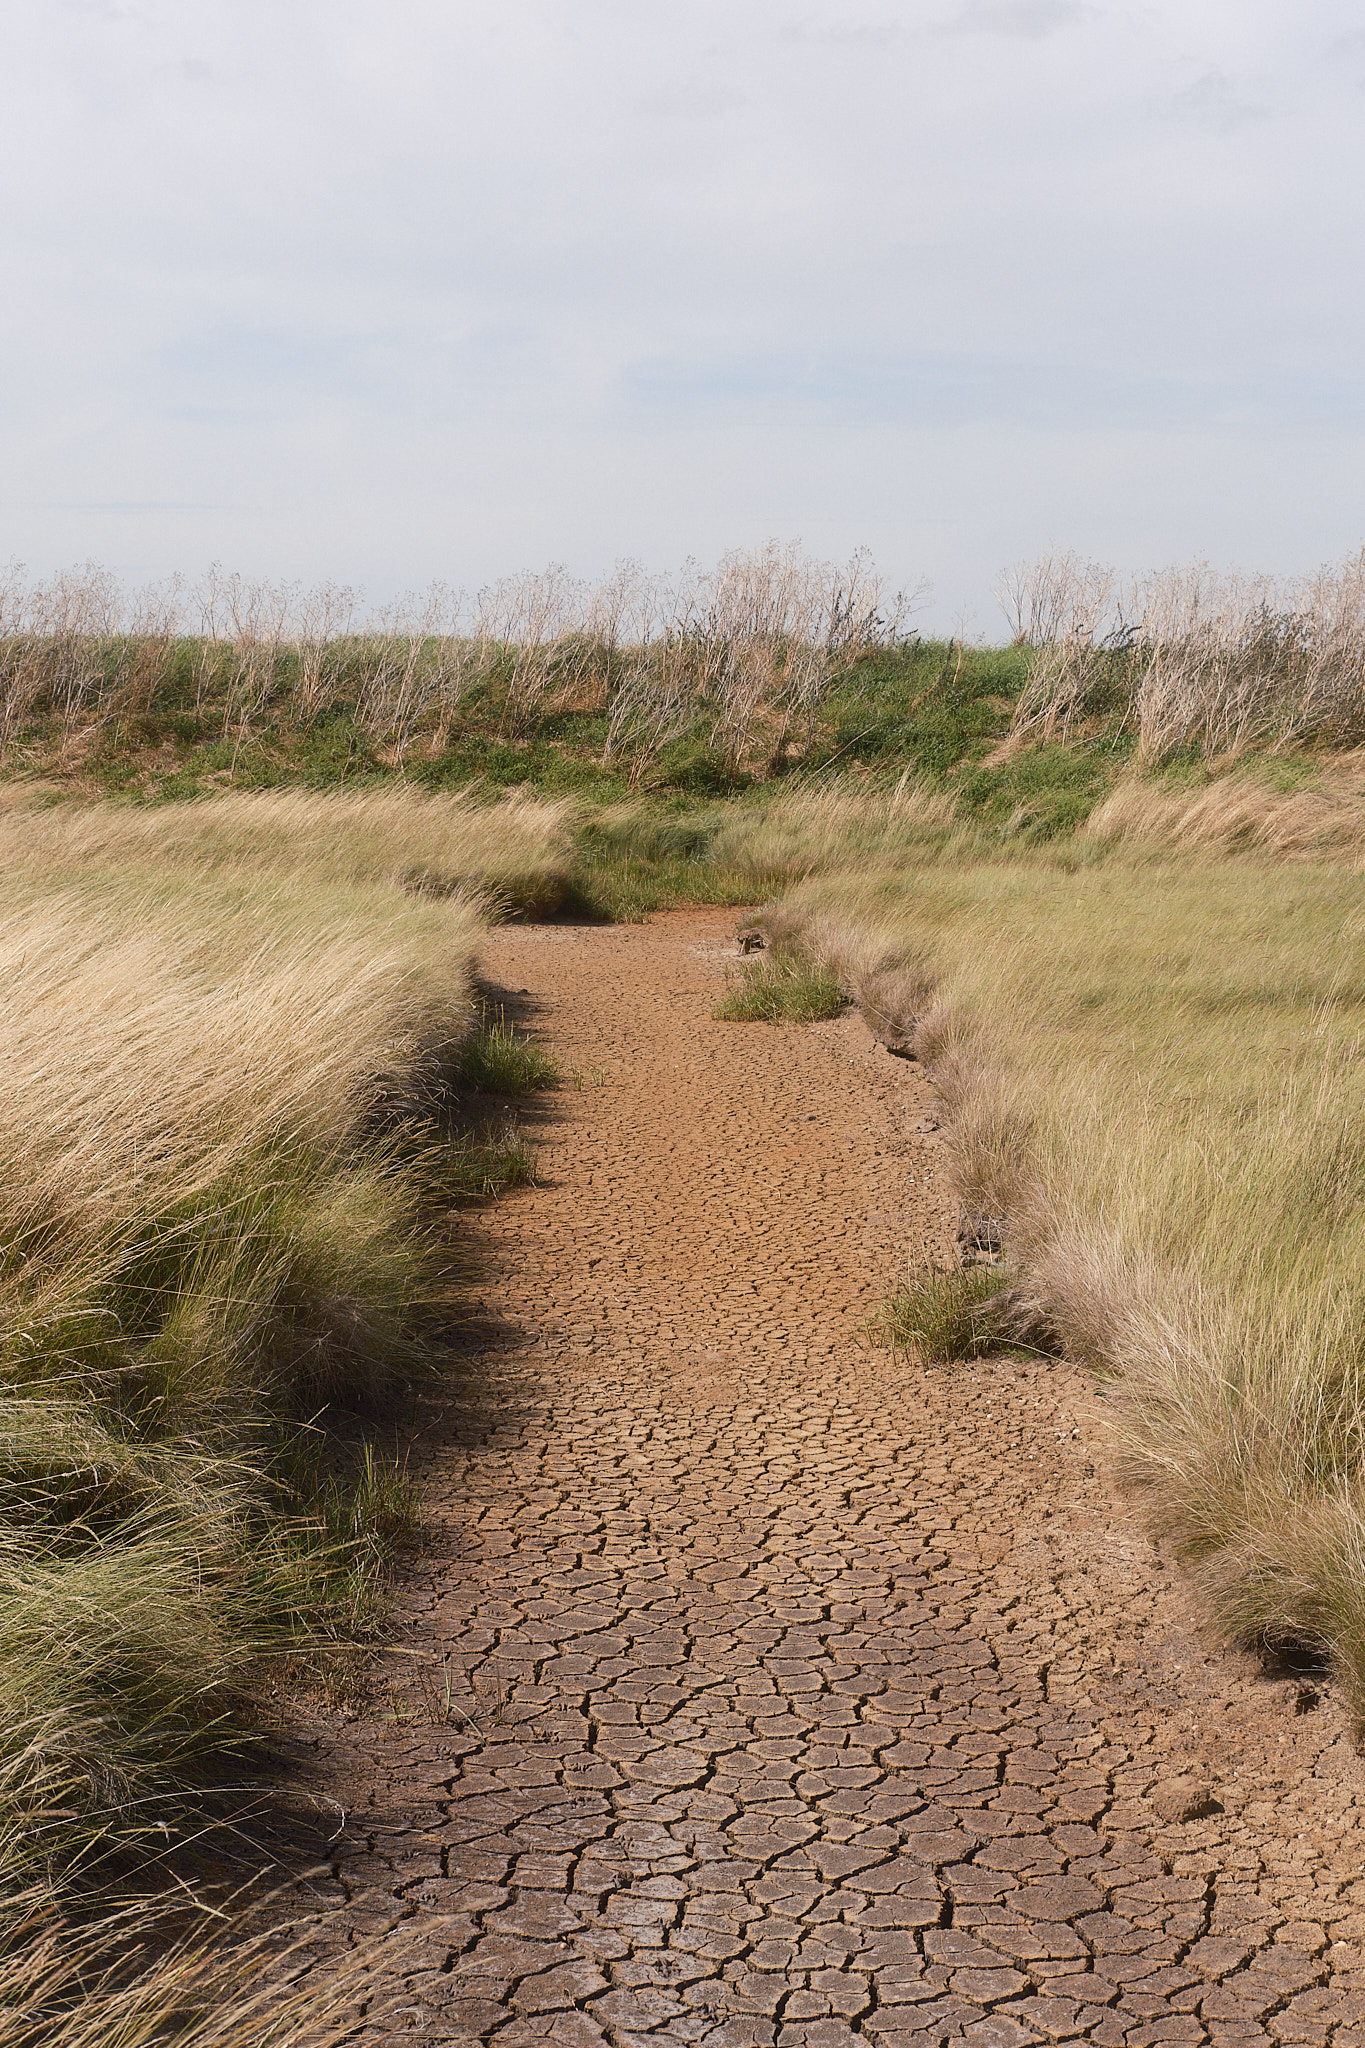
818	1698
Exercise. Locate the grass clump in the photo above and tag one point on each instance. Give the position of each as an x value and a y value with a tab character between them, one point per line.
941	1315
499	1060
482	1165
780	988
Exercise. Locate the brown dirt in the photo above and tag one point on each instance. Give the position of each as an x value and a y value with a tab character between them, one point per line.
820	1698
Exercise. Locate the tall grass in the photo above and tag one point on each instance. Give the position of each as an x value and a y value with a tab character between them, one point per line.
514	857
1151	1061
229	1035
1325	817
66	1988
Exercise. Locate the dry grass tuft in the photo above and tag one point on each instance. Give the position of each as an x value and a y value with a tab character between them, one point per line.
894	999
218	1986
1235	812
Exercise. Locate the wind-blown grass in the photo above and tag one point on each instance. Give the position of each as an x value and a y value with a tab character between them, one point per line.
229	1049
511	857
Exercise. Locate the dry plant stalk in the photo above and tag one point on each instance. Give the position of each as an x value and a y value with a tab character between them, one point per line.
1193	659
218	1986
743	653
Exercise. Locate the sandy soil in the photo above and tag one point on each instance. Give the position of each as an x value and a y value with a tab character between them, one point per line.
819	1698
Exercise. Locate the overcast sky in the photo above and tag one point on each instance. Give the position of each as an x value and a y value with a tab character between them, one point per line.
389	291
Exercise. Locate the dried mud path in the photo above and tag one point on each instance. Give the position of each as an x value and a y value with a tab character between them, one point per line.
819	1698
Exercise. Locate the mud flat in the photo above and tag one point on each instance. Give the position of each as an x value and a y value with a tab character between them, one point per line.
756	1688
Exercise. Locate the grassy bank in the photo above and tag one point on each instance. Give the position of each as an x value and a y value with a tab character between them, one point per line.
237	1040
690	689
1149	1049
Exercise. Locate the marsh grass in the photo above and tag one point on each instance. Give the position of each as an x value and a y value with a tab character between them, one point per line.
1317	811
232	1048
1150	1064
512	856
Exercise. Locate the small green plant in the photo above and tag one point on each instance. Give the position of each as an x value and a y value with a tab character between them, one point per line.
477	1168
941	1316
780	988
497	1060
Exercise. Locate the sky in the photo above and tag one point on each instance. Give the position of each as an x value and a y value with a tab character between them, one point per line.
428	288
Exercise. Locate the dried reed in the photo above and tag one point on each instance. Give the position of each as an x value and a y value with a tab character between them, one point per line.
745	651
1192	659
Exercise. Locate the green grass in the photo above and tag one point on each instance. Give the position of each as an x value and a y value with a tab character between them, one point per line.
480	1166
778	988
931	706
940	710
943	1315
497	1059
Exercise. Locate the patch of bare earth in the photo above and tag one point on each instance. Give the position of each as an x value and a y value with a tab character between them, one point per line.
818	1698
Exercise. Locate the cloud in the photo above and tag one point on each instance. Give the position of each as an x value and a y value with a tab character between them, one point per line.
1029	19
873	34
455	288
696	99
924	389
1213	102
122	508
1350	50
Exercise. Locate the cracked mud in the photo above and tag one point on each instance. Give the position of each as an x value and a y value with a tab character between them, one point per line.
758	1688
